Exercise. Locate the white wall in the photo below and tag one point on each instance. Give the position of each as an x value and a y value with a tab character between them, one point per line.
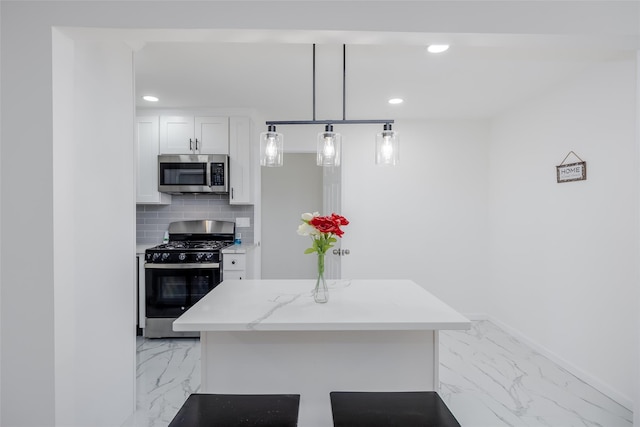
26	284
0	233
28	340
426	218
636	412
564	256
94	217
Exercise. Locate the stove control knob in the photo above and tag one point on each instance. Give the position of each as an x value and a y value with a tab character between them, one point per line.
165	256
182	256
209	257
199	256
156	256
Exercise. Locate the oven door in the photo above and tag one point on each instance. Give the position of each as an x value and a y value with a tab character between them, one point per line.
171	289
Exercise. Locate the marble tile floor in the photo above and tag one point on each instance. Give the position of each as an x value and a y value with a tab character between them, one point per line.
488	379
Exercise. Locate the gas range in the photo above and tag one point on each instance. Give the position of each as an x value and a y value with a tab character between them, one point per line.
179	251
193	242
182	271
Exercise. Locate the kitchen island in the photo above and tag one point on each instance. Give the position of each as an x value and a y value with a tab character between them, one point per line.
269	336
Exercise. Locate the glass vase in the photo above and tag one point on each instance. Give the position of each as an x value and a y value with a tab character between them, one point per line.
321	292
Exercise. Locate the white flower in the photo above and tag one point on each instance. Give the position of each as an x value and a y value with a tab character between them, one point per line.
308	216
305	229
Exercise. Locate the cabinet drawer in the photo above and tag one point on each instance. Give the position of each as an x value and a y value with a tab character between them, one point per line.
232	275
233	262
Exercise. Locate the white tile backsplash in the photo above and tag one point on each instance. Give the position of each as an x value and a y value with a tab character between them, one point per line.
153	220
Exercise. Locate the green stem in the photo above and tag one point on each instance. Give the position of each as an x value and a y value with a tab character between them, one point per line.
320	263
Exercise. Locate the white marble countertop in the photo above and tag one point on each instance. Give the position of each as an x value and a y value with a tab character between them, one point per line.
287	305
242	248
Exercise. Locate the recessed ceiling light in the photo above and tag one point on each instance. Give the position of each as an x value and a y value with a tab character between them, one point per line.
396	101
437	48
150	98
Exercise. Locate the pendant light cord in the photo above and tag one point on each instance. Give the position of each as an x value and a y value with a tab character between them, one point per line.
314	82
344	108
344	81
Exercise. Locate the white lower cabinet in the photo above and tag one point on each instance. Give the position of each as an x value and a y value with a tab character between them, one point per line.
234	275
234	266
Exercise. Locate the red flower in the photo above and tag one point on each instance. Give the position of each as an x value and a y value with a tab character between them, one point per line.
339	219
322	229
324	224
329	224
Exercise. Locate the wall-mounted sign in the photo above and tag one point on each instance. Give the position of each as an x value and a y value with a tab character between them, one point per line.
571	171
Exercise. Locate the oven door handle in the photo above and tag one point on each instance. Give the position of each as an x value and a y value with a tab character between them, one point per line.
183	266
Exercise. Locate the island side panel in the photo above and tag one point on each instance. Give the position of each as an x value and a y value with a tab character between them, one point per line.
435	337
314	363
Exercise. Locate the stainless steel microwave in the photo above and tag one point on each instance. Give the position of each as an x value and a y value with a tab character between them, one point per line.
193	173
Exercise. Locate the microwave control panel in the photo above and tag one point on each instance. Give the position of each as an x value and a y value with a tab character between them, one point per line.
217	174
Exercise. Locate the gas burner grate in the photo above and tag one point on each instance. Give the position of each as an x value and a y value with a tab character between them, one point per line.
209	245
173	245
180	245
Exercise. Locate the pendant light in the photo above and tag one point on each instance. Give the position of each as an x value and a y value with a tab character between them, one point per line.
271	147
387	144
329	143
329	147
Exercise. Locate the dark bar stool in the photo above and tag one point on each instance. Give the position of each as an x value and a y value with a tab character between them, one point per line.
390	409
235	410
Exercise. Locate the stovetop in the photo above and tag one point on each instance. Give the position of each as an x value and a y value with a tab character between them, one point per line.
194	241
187	245
181	252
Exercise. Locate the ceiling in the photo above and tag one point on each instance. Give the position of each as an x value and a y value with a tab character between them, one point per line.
470	80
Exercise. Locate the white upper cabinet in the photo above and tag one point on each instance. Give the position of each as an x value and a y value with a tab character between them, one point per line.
194	135
212	134
147	150
241	188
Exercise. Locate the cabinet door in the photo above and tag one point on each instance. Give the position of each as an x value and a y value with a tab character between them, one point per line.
176	135
212	134
147	150
240	161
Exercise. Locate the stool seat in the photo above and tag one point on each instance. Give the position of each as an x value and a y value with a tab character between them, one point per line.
235	410
390	409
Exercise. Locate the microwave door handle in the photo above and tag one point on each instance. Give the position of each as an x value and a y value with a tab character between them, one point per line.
208	174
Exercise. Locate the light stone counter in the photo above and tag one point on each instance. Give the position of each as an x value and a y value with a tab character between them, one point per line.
287	305
242	248
269	336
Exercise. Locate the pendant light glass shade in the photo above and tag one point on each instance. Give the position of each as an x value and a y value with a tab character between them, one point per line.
271	147
387	147
329	147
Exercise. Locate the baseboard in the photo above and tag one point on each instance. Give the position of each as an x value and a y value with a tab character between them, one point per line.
596	383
